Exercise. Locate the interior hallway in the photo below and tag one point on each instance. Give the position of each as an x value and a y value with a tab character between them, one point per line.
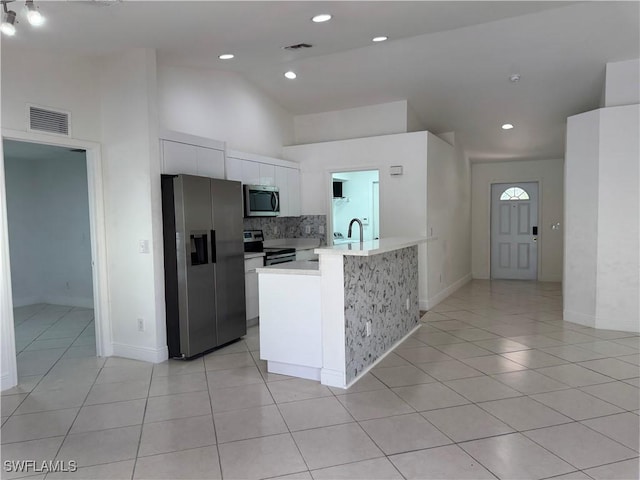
494	384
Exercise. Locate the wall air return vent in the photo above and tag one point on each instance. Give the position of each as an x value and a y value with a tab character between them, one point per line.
46	120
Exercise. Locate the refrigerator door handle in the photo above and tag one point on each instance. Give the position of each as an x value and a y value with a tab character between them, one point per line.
213	247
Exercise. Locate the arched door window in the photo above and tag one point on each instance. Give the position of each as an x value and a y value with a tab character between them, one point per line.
514	193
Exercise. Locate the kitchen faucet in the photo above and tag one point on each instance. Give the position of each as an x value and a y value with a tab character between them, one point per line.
357	220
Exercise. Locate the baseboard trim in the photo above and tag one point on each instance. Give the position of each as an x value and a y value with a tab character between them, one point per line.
379	359
436	299
579	318
54	300
26	301
7	381
300	371
331	378
153	355
69	301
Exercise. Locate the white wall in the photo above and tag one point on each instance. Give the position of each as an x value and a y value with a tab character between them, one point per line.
549	175
222	106
448	218
55	80
622	85
414	124
8	371
403	198
618	229
133	208
581	218
48	211
602	264
358	203
602	191
368	121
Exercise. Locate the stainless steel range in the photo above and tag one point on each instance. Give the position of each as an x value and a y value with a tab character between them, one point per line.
253	242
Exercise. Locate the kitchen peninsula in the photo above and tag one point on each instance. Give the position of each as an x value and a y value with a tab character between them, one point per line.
331	320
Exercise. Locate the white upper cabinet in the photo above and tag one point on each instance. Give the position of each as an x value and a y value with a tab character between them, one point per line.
282	182
267	174
293	184
179	158
191	155
250	173
288	182
210	162
234	169
252	169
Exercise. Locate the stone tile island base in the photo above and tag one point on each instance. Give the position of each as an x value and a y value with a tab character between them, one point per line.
334	319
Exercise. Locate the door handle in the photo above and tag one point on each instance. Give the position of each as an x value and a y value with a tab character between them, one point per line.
213	247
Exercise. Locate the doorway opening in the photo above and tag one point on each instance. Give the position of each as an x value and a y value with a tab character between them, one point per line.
514	231
50	254
356	194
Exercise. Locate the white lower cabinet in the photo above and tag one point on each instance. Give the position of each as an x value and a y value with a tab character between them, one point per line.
251	288
306	255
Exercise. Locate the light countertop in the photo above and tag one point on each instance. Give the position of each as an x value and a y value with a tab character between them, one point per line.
303	267
371	247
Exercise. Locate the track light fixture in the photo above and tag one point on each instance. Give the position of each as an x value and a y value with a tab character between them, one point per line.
34	16
9	20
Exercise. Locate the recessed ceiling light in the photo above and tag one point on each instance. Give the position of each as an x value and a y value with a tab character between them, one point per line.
379	39
507	126
290	75
226	56
515	78
323	17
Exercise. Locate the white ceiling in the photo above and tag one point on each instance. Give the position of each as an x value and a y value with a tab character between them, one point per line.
450	60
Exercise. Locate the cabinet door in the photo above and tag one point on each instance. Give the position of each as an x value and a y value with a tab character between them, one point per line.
233	169
267	174
251	286
210	162
293	183
308	254
281	179
178	158
250	173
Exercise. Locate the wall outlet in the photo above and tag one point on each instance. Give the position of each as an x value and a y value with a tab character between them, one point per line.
321	229
368	325
140	325
407	304
307	229
276	230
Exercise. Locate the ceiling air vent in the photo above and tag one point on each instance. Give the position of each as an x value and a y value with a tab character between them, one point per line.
48	121
298	46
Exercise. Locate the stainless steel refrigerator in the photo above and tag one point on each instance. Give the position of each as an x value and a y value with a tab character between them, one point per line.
203	263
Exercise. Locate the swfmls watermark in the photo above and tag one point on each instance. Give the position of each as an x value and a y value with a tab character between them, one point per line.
35	466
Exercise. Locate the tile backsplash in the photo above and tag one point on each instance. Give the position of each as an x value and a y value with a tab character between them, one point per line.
290	227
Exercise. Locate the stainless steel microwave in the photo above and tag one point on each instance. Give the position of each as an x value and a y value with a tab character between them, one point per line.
261	201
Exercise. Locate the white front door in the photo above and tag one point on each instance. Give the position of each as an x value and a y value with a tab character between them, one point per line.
514	231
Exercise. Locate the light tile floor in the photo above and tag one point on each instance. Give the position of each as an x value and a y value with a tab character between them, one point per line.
494	385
